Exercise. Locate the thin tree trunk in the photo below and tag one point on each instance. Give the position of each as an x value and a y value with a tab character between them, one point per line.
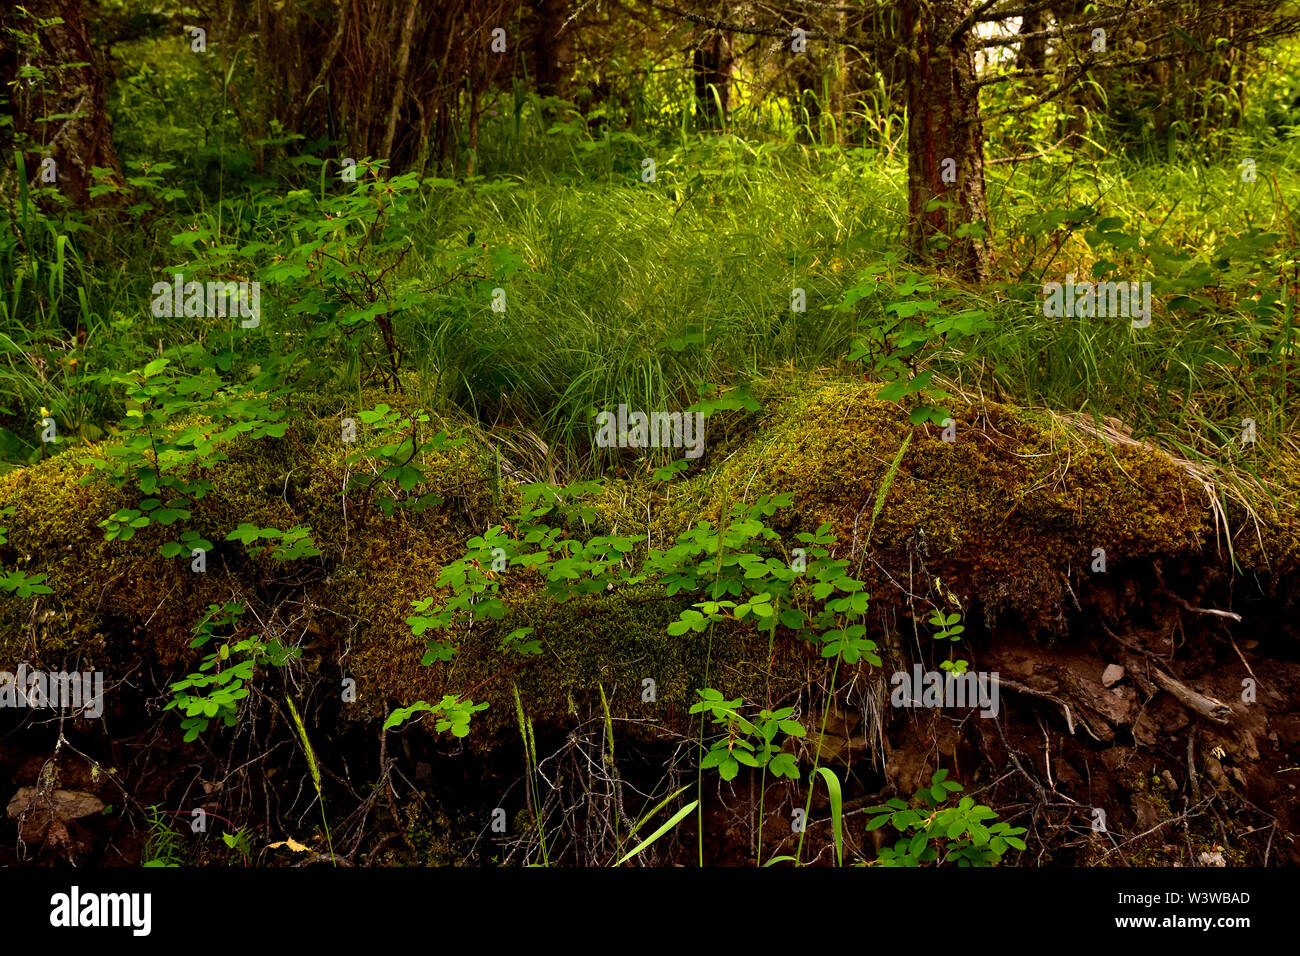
807	104
552	48
399	94
945	141
711	66
298	108
839	81
1033	52
471	158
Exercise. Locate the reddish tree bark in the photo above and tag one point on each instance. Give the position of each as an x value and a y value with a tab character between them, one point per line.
73	85
945	140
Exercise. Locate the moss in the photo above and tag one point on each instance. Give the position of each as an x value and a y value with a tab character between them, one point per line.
1178	844
1001	515
100	589
611	642
428	831
1269	540
112	600
129	591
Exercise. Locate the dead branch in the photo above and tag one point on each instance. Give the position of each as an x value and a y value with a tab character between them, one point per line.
1208	707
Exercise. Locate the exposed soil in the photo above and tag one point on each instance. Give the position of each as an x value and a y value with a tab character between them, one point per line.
1175	787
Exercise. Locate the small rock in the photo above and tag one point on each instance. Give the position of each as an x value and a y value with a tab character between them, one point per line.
1112	675
1214	770
1146	810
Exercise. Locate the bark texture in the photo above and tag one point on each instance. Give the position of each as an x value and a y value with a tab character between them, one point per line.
945	141
72	87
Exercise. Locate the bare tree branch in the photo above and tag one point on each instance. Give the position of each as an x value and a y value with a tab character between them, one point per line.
752	30
969	20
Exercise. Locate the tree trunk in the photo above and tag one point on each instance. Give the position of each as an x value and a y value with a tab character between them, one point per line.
471	155
945	142
839	81
711	64
399	95
806	103
553	48
1033	52
72	85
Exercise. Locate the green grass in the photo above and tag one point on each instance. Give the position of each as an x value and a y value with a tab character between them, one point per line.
641	292
621	275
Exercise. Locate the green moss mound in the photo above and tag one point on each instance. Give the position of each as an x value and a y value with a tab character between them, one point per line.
111	594
1011	514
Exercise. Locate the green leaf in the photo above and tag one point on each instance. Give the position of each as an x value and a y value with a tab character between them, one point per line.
893	391
837	808
675	819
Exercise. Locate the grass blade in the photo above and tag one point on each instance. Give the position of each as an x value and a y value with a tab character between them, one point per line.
886	484
659	806
676	819
837	806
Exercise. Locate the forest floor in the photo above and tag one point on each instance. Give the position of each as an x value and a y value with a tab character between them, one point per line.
1137	636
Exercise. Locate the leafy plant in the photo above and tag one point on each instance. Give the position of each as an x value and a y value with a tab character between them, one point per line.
221	682
290	545
752	743
15	582
948	625
398	459
937	831
23	585
164	846
453	714
897	351
238	842
949	628
815	597
161	459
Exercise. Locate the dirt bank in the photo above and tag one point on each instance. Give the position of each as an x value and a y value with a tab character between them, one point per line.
1139	630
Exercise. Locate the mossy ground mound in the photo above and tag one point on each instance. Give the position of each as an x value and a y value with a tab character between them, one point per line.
1009	515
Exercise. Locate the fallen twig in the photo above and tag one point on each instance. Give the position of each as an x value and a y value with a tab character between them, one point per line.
1004	682
1207	707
